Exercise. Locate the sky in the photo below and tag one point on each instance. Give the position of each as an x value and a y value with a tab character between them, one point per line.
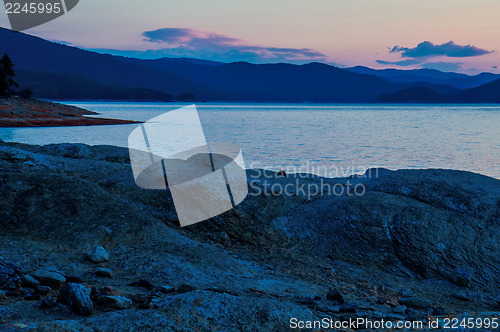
449	35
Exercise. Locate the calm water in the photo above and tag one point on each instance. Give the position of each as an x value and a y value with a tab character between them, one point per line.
332	140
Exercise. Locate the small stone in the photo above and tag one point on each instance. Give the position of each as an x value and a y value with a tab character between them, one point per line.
77	297
438	312
73	279
98	254
461	277
108	290
348	308
335	296
47	303
115	302
104	272
281	173
462	296
165	289
308	303
184	288
394	317
400	310
29	281
413	315
496	302
43	290
33	297
143	283
14	293
49	278
415	302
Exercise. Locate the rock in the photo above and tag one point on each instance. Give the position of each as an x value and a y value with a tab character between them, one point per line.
29	281
335	296
462	296
67	150
98	254
400	310
33	297
115	302
412	315
438	312
394	317
9	275
348	308
13	293
49	278
415	302
165	289
107	290
184	288
461	277
281	173
43	290
104	272
73	279
143	283
496	302
392	221
284	246
77	297
308	303
3	294
47	302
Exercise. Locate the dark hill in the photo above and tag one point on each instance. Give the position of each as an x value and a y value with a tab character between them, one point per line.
59	71
431	76
69	69
416	95
488	93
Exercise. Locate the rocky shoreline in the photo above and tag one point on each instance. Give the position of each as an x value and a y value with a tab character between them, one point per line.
29	112
84	249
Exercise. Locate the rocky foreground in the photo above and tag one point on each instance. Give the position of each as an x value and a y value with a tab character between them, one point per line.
29	112
82	248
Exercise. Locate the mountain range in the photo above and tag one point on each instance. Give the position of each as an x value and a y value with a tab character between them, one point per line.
56	71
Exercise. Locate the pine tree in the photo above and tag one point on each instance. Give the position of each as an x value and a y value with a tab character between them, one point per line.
7	83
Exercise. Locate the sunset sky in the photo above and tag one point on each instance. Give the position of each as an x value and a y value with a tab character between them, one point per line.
451	35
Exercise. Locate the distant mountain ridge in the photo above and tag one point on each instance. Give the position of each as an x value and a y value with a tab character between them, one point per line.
57	71
433	76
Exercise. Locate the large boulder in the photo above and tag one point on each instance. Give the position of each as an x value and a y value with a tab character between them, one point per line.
77	297
434	223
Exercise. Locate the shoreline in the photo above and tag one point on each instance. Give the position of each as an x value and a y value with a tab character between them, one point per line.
18	112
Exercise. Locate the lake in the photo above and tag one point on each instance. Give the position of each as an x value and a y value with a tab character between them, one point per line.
329	140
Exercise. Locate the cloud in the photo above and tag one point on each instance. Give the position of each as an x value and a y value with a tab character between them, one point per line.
443	66
182	42
189	37
450	49
402	63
